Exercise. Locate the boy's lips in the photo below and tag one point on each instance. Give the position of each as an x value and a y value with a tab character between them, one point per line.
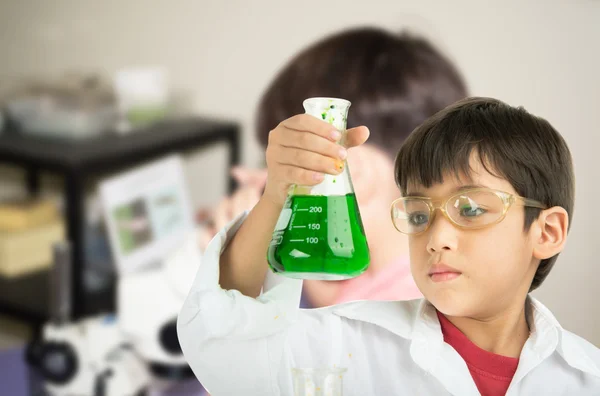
441	272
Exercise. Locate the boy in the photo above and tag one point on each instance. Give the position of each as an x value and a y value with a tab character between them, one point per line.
487	192
394	82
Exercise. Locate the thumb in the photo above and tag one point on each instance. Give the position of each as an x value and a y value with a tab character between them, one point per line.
356	136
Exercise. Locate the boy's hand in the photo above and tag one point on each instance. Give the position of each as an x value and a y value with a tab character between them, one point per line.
301	150
251	184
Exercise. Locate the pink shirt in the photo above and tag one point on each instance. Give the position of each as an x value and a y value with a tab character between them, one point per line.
393	282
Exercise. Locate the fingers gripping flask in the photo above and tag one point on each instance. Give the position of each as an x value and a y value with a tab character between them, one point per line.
319	233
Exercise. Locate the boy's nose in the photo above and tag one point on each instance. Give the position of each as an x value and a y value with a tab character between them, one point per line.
442	235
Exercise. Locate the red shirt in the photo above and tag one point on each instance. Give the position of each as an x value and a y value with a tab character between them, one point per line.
492	373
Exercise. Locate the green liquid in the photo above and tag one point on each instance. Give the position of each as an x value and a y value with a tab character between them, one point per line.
323	239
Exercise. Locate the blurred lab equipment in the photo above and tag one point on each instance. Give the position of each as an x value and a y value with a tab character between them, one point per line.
73	107
90	357
154	242
80	162
142	96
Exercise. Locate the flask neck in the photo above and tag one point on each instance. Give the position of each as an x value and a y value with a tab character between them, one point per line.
331	110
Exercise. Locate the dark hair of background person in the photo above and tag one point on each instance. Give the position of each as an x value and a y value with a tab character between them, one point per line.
394	81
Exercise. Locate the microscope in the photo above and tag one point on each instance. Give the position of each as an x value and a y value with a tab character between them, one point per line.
148	304
154	243
89	357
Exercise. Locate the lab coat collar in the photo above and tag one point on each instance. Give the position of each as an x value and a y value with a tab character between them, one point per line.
417	321
414	320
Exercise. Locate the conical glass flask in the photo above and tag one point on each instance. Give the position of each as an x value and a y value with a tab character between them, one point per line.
319	234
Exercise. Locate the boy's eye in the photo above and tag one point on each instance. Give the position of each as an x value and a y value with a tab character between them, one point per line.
418	218
471	211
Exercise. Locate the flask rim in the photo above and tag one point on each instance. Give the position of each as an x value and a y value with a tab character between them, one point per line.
340	101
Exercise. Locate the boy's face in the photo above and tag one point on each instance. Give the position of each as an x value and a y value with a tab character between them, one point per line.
493	267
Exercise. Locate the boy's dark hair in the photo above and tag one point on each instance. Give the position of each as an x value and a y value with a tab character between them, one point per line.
393	81
511	143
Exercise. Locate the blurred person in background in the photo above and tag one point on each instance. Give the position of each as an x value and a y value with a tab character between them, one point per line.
394	83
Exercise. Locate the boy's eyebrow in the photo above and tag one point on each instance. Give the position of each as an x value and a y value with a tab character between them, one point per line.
456	190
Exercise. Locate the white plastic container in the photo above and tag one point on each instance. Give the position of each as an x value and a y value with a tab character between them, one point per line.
142	94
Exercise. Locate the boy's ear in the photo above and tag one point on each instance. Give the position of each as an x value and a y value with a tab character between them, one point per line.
552	224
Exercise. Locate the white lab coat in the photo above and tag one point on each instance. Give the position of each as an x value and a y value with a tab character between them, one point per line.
240	346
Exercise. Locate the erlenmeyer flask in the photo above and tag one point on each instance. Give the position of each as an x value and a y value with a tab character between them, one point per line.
319	234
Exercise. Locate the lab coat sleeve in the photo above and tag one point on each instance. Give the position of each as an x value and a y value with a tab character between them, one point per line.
234	343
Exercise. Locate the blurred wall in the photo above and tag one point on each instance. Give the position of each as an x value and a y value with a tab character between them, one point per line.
221	54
